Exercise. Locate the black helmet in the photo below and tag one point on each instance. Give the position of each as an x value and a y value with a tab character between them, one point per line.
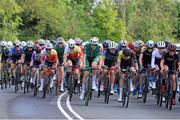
127	52
106	43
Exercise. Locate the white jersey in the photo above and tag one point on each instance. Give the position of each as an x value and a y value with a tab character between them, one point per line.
156	58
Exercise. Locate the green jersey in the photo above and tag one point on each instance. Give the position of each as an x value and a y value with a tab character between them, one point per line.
92	52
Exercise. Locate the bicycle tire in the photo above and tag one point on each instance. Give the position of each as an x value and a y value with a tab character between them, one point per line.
89	89
127	92
145	90
108	90
167	96
16	80
45	88
171	96
71	88
35	87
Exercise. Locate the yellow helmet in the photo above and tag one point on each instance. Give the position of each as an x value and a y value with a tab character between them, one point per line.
77	49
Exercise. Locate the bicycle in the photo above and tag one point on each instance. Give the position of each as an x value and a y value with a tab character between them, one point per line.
169	91
37	78
17	76
88	94
46	85
107	85
126	88
4	75
27	80
58	74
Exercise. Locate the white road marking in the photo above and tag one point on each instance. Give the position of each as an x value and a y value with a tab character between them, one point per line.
61	108
70	109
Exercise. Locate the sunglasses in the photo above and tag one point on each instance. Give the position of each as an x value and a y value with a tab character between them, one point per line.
48	49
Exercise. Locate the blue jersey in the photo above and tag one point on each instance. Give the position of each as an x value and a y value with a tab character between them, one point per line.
16	54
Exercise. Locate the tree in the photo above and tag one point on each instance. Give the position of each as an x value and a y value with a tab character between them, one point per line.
107	21
151	19
9	19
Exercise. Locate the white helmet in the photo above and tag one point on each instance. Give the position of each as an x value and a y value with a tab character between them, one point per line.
71	43
3	44
139	43
47	41
30	44
17	43
112	45
49	46
150	44
161	44
123	43
94	40
23	44
9	44
41	42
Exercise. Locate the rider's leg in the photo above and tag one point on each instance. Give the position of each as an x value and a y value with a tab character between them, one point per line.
121	84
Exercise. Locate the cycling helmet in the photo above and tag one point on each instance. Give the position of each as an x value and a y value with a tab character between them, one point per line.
139	43
9	44
131	45
171	47
30	44
94	40
106	43
60	40
71	43
77	50
127	52
23	44
49	45
37	48
41	42
150	44
161	44
112	45
47	41
78	41
123	43
3	44
17	43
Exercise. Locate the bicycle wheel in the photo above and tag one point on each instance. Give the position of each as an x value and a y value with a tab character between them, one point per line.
89	90
71	89
127	92
170	95
5	79
45	87
123	96
16	81
167	95
35	85
99	91
145	90
108	90
2	81
158	94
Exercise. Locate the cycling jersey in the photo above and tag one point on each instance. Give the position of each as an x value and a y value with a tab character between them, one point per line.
125	63
156	58
146	60
52	56
5	54
73	54
28	55
15	54
92	54
36	57
110	59
60	52
170	61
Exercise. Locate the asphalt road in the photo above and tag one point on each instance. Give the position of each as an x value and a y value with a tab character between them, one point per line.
25	106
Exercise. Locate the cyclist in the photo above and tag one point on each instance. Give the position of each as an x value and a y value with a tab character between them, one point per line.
60	48
125	60
35	62
73	57
110	60
27	55
92	55
41	43
49	59
155	61
9	44
169	62
5	56
145	62
15	56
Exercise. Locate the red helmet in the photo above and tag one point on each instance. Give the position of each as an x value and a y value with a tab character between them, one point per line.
172	47
132	46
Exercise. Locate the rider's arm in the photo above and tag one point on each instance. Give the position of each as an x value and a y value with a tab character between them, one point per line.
141	58
153	59
119	60
162	63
